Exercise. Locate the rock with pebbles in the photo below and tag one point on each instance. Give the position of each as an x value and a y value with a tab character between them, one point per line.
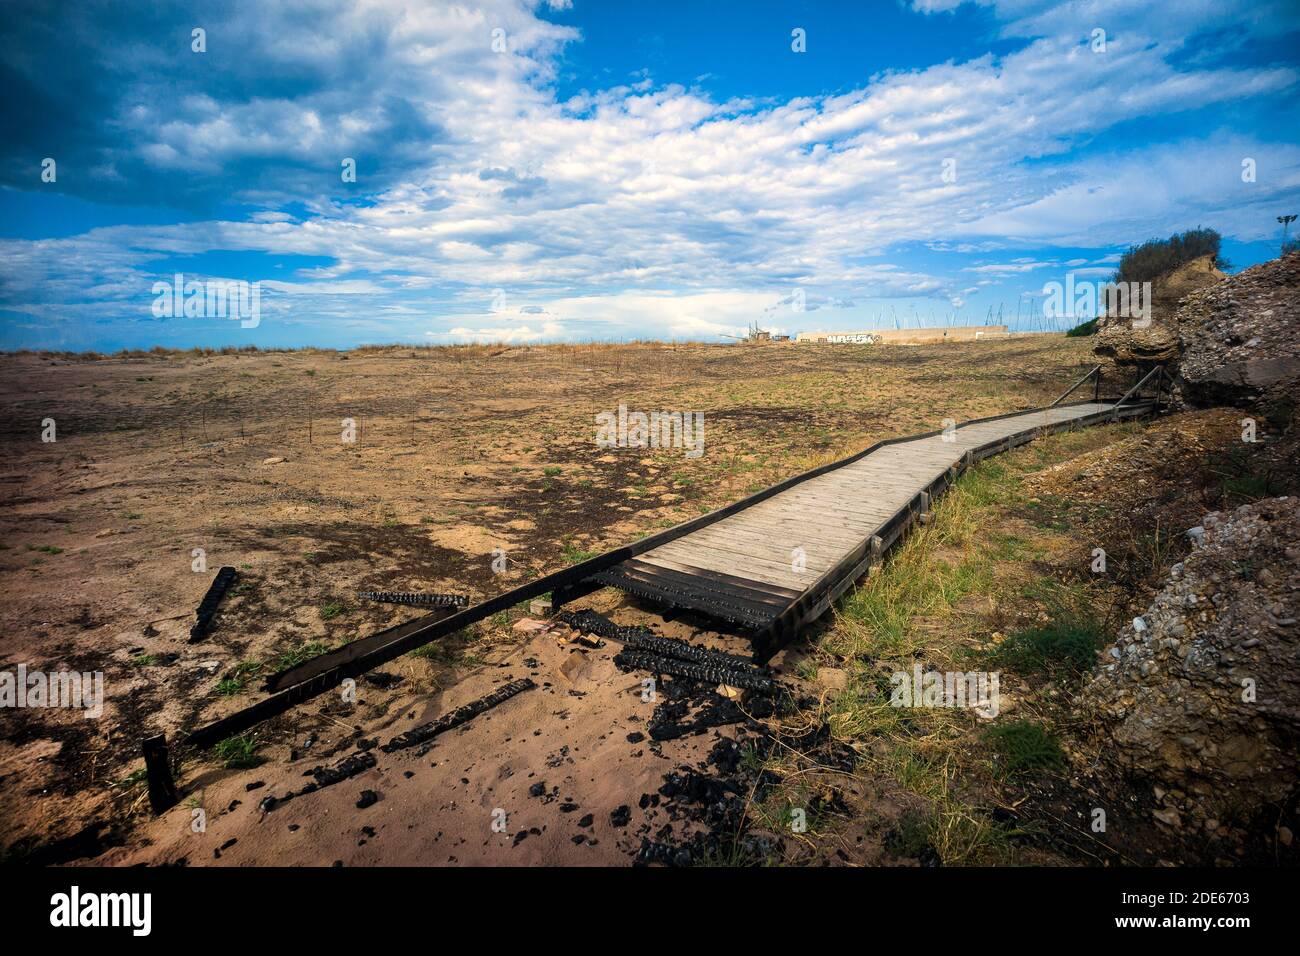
1155	338
1238	338
1205	701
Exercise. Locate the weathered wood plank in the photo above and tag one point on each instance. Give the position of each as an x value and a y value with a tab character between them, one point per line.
829	516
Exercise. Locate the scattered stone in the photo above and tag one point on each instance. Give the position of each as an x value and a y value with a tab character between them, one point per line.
1180	702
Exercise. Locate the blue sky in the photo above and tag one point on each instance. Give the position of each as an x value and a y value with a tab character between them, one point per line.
582	170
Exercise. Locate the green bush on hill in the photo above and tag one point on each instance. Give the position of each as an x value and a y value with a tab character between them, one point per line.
1155	257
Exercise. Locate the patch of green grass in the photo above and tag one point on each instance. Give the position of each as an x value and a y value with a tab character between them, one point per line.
552	471
575	555
1021	746
238	679
144	660
433	651
1068	643
330	610
45	548
133	778
238	753
296	655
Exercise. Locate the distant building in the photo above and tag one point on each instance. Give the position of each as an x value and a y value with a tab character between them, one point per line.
954	333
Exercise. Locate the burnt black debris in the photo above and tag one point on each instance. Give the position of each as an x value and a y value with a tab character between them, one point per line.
643	639
415	599
324	776
208	606
368	798
663	854
460	715
751	679
706	804
668	721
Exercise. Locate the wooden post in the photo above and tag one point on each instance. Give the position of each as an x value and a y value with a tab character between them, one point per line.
158	771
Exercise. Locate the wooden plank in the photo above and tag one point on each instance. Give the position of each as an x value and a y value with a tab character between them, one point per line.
759	568
671	564
764	572
754	592
815	520
765	538
653	583
802	525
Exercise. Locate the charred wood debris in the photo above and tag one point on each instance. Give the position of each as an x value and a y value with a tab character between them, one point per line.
699	813
707	805
207	609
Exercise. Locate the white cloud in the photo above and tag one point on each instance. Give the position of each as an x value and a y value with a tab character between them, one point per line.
648	207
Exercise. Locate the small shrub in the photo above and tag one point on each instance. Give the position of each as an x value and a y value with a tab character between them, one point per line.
1067	643
295	656
1021	746
238	753
1155	257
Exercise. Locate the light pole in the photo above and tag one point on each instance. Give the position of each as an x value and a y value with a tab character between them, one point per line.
1286	224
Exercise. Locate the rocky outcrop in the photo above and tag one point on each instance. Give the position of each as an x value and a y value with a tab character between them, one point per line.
1158	341
1239	340
1201	694
1228	340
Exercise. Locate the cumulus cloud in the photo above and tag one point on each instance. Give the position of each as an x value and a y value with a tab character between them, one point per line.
633	209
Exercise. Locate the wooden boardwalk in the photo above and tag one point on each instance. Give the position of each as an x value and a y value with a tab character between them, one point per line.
819	535
770	563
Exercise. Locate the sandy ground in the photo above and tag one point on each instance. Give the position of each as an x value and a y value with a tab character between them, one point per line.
459	452
580	734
